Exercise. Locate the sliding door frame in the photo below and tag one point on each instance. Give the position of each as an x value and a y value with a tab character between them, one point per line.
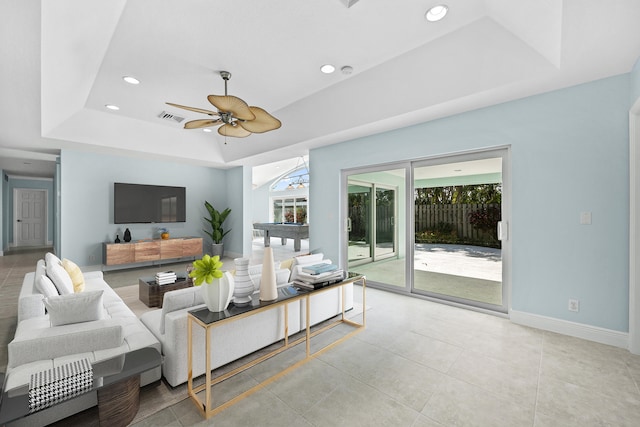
503	151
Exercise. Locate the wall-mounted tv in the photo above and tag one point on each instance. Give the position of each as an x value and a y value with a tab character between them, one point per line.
139	203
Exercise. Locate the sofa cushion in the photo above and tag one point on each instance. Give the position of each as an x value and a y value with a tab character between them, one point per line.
58	275
34	342
179	299
74	308
45	286
77	278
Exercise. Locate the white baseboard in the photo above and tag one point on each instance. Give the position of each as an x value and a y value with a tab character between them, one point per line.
573	329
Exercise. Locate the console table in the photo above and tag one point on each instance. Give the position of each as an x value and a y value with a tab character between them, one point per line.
116	381
208	320
284	230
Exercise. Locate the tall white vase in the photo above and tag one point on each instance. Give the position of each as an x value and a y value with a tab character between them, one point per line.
217	294
243	287
268	288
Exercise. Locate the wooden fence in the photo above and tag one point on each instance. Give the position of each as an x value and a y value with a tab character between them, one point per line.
434	218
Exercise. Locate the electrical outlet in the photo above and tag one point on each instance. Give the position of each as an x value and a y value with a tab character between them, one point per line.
574	305
92	257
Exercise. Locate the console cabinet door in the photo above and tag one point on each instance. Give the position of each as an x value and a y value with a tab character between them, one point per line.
147	251
192	247
118	253
171	248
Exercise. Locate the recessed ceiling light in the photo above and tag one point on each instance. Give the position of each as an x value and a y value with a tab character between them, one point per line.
112	107
327	68
131	80
347	69
436	13
206	130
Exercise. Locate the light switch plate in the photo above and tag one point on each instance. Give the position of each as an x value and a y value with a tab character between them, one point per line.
585	218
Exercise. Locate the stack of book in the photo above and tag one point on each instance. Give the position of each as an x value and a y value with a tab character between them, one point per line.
318	275
166	277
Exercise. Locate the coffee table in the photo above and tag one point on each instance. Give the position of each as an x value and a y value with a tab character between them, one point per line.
116	381
152	294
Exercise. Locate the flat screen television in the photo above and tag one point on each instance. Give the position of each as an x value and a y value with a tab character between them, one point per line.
139	203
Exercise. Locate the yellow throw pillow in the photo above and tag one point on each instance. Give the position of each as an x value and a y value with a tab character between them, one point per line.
286	263
75	273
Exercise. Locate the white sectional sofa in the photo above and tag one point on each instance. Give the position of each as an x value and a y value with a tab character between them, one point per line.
232	340
93	323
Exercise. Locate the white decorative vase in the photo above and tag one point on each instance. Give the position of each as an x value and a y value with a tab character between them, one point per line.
217	294
243	285
268	288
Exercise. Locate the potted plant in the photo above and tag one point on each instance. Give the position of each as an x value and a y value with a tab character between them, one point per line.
218	285
216	233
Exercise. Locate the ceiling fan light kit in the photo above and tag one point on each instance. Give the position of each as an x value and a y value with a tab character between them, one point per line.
236	117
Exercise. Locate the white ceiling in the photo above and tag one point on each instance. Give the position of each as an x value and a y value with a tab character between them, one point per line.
63	60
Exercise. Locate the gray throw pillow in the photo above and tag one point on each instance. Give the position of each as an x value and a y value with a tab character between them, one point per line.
74	308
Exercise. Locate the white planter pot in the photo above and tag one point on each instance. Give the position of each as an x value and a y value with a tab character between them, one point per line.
243	285
217	294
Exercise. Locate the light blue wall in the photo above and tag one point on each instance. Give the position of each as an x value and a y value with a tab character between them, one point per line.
569	152
3	204
8	208
635	82
261	204
238	190
86	182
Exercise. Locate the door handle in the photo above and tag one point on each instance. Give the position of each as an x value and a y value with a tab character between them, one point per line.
19	220
503	230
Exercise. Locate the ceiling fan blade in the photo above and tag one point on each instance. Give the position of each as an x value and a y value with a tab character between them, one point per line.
202	123
263	122
232	104
235	131
197	110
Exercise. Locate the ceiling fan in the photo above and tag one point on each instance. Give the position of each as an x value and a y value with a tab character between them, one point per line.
238	119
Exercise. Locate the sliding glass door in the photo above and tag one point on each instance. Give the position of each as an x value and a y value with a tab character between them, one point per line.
429	227
373	228
457	253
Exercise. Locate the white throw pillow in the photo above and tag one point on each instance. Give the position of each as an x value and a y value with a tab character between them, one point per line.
60	278
307	259
50	258
74	308
41	268
45	286
303	260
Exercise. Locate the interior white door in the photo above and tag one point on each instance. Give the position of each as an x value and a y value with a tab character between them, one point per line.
30	217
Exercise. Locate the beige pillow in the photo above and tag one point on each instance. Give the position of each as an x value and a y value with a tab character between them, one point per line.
74	308
77	278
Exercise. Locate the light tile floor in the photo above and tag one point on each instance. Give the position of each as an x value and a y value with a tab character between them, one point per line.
419	364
